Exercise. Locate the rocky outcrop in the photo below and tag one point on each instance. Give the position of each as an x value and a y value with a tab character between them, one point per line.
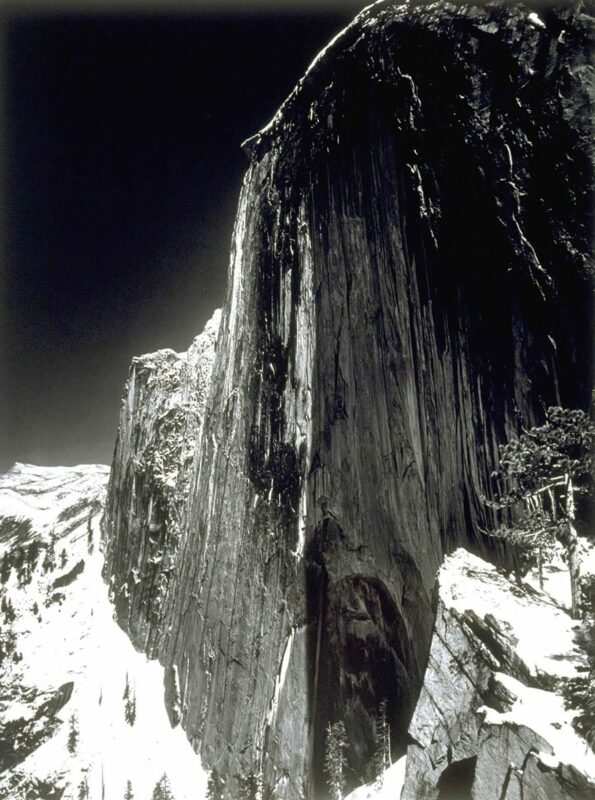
489	724
160	429
406	228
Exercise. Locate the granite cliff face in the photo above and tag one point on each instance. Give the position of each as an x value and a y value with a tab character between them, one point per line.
160	429
412	231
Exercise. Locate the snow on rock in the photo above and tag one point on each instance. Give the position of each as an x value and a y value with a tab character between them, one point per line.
389	788
490	720
81	712
48	495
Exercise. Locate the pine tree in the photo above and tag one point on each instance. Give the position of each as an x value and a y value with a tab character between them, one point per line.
540	475
63	558
381	757
215	786
49	562
129	703
334	759
250	786
5	568
130	710
129	795
73	735
33	553
8	610
162	790
83	789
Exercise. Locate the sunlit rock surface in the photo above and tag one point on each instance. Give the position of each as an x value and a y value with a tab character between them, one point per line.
407	286
488	724
160	430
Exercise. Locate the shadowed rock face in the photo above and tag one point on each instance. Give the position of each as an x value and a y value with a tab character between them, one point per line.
411	231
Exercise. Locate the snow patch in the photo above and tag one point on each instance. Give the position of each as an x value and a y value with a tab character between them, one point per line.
280	678
390	789
469	584
544	713
536	20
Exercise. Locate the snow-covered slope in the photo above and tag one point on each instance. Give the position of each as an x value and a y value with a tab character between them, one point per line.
66	727
387	788
491	721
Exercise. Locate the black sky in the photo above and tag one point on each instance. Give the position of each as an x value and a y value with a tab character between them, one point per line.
122	169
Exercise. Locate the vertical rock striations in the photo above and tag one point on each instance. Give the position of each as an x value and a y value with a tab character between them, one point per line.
411	230
160	427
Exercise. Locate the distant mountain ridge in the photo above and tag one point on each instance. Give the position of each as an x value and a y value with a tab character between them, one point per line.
66	728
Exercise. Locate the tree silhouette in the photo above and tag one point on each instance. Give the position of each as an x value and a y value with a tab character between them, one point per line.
250	786
381	757
73	735
334	759
129	703
215	786
540	475
162	790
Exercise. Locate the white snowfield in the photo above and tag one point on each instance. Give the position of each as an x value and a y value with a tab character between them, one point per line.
77	640
542	633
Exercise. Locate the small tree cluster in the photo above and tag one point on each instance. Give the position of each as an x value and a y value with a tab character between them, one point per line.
83	789
250	786
215	786
587	595
381	757
162	790
8	646
32	557
129	698
7	609
49	561
5	567
335	759
540	475
25	561
73	735
579	692
579	695
23	566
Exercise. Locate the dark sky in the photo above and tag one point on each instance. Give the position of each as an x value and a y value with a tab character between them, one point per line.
122	169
